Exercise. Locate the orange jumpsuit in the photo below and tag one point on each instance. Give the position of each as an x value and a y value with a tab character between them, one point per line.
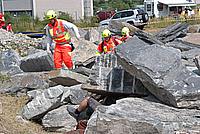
108	46
60	35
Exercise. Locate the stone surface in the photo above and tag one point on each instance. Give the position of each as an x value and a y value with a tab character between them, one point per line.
73	95
83	50
172	32
112	78
181	45
93	35
161	71
138	116
83	70
48	100
37	62
24	82
18	42
9	62
192	38
67	77
58	120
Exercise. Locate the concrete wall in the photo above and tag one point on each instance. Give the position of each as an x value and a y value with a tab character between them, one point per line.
74	7
88	7
17	5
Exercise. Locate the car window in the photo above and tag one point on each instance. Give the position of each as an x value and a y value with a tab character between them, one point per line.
140	11
117	15
127	14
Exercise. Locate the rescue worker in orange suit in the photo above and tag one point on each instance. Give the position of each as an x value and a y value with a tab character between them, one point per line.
125	34
108	44
2	20
57	31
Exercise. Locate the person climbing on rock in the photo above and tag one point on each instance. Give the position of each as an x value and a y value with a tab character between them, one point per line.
58	31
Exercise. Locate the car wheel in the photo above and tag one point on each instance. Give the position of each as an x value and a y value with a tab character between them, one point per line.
141	27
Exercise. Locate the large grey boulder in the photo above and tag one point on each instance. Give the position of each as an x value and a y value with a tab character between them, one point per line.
172	32
24	82
59	120
83	51
9	62
182	45
48	100
108	76
67	77
116	27
161	71
73	95
93	35
138	116
18	42
37	62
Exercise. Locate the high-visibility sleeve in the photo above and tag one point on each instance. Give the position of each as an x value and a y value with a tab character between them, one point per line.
71	26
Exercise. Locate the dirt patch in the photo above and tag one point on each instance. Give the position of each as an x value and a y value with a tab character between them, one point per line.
10	107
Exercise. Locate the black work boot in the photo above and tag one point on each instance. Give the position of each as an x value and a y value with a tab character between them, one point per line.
72	111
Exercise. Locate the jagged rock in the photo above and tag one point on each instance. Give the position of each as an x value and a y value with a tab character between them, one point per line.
59	120
42	103
193	29
93	35
172	32
87	63
84	50
116	27
138	116
18	42
83	70
37	62
181	45
189	56
192	38
82	32
34	93
9	62
196	61
108	76
24	82
73	95
161	71
67	77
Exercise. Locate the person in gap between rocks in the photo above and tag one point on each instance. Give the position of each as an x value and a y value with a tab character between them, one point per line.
57	31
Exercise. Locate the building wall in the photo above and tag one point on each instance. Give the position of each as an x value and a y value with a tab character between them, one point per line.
197	1
17	5
88	8
74	7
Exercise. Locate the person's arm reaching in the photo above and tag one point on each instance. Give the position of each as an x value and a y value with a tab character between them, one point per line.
74	28
49	40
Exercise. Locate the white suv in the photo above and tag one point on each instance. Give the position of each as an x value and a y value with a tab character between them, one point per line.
136	17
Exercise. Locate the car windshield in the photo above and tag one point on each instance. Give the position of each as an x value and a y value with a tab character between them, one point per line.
117	15
127	14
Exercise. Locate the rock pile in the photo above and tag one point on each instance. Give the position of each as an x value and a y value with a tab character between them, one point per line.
157	69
